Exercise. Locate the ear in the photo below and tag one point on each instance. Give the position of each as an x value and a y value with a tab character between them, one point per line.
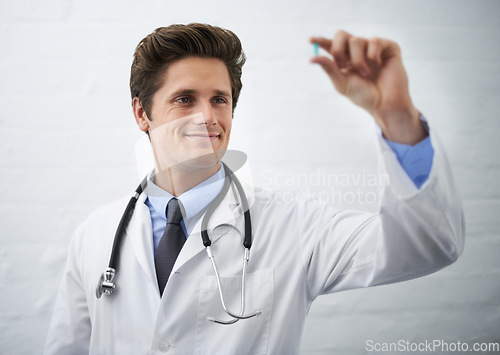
140	115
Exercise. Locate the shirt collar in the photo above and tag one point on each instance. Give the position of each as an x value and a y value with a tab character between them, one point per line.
193	200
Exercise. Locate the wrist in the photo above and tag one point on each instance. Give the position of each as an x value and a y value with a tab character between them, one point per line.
404	126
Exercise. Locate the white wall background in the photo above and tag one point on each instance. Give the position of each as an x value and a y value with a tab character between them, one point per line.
67	139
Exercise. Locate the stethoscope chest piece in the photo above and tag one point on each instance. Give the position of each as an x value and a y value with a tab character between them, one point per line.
105	283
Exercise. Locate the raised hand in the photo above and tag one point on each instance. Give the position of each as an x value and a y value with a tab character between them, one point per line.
371	74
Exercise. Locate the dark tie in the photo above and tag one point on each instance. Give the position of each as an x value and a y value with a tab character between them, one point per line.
170	244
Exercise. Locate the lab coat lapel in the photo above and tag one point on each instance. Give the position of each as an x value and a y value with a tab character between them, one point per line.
140	234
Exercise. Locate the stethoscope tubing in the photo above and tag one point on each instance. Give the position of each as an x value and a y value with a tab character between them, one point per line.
124	221
106	285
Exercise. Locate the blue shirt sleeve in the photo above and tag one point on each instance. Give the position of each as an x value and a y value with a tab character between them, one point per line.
416	160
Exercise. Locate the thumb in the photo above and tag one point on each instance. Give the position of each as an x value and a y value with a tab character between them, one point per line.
332	70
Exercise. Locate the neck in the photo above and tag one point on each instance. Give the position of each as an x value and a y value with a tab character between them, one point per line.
178	179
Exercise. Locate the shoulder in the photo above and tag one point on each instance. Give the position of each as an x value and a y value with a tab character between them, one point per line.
103	221
92	240
107	211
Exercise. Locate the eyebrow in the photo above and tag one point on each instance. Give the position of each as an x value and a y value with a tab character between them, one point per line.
192	92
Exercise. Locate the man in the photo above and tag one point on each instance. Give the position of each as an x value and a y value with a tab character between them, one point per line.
185	83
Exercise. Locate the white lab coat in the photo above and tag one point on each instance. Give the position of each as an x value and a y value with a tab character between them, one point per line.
301	249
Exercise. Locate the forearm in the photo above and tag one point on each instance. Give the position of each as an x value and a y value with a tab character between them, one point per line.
421	230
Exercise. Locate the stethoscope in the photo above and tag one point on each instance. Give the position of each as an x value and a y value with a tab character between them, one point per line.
105	284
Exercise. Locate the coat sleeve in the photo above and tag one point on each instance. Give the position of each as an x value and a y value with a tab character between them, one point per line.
70	328
415	233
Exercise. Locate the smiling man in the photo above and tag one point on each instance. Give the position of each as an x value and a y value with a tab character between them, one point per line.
185	83
190	124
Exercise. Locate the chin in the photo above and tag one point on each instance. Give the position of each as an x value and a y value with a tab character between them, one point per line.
204	161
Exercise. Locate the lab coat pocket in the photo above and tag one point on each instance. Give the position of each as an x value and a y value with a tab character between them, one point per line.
245	337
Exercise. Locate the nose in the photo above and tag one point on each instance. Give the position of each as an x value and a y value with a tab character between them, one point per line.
208	114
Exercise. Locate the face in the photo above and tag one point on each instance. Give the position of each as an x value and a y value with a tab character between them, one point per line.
191	115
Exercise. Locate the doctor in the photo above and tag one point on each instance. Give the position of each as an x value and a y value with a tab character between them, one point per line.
185	83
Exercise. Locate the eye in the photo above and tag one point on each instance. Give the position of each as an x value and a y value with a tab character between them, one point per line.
220	100
183	100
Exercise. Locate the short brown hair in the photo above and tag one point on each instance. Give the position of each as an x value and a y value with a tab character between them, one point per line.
165	45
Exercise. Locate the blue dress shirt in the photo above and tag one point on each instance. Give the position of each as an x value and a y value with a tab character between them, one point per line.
416	160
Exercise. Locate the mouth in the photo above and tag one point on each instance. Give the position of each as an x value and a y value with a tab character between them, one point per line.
203	137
